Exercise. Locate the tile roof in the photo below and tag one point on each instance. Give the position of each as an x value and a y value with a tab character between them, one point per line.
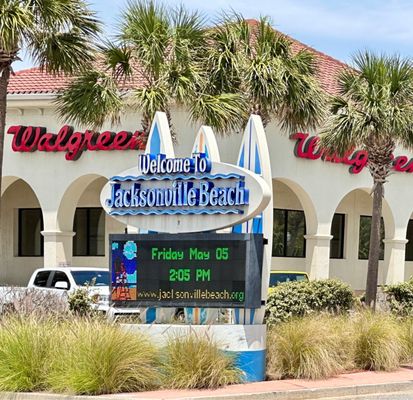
34	81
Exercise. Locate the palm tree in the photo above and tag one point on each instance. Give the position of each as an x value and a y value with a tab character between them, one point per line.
373	111
157	52
219	74
56	33
254	60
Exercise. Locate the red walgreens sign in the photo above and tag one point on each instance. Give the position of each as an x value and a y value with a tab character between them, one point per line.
32	138
307	147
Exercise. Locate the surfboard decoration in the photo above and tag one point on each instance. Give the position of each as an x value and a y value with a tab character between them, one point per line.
160	139
254	156
159	142
206	143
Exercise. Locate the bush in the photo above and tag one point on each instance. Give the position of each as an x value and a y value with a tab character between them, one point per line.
33	302
378	341
24	348
400	298
80	301
296	299
93	357
312	347
193	362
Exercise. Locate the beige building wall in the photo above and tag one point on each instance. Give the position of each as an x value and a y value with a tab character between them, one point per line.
319	188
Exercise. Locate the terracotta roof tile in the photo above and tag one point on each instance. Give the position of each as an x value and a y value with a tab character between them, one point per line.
32	80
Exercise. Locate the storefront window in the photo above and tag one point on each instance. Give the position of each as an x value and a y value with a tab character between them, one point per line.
337	231
89	225
409	244
30	237
364	238
289	230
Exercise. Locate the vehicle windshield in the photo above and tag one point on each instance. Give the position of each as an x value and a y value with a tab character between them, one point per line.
91	278
281	277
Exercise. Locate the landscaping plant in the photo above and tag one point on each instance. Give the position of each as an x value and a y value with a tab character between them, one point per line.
95	357
25	345
297	299
312	347
400	298
378	341
195	362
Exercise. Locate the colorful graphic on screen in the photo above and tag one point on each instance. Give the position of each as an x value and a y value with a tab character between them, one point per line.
124	270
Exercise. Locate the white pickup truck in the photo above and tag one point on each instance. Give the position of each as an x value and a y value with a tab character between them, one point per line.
71	278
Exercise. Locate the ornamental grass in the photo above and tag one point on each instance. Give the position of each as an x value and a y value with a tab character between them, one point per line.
95	357
378	341
195	362
25	345
312	347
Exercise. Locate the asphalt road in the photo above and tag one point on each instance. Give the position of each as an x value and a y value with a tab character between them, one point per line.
384	396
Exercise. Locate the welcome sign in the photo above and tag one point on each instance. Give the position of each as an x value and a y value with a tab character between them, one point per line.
164	193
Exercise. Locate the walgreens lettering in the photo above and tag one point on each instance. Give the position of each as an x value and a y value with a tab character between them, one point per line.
35	138
307	147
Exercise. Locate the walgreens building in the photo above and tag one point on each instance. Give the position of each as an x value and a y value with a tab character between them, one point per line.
51	213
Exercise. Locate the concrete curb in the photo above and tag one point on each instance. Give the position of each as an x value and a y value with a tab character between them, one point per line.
299	394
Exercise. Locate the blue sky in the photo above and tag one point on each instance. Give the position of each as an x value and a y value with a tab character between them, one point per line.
336	27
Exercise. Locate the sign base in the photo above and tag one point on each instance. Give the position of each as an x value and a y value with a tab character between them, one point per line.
246	342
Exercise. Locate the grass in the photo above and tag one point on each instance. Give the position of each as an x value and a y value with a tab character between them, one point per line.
195	362
24	347
93	357
406	327
311	347
378	341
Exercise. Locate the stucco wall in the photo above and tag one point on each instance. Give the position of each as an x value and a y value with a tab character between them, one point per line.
319	188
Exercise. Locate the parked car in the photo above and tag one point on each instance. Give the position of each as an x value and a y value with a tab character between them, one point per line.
277	277
72	278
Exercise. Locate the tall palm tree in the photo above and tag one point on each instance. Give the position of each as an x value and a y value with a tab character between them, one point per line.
373	111
56	33
254	60
157	51
219	74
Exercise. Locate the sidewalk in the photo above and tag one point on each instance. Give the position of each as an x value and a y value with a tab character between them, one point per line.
291	389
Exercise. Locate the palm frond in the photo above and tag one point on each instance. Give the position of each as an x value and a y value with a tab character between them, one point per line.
90	99
58	52
375	104
118	59
151	99
225	112
146	26
303	103
63	35
63	16
16	21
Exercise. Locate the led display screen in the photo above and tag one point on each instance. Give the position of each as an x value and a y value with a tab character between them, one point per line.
193	270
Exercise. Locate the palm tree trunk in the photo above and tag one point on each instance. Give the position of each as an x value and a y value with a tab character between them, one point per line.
4	81
374	249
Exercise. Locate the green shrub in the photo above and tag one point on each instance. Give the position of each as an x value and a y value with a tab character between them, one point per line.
330	295
93	357
378	341
25	344
193	362
400	298
311	347
296	299
80	302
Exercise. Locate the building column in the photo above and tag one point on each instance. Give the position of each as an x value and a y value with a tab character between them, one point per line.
58	248
318	255
394	260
